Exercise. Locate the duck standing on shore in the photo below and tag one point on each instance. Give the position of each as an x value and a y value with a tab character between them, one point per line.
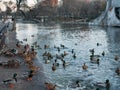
15	76
31	73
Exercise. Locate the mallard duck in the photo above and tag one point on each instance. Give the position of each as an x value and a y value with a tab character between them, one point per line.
72	51
32	35
53	67
47	61
116	58
46	46
94	58
92	51
65	53
50	86
62	45
25	39
74	55
103	53
117	71
98	44
105	84
84	67
58	49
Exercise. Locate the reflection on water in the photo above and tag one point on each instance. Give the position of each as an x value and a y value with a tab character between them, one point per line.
114	40
81	39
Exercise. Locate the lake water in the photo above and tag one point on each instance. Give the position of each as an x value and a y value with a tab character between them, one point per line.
81	39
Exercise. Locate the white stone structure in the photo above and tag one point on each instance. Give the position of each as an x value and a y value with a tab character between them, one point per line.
111	15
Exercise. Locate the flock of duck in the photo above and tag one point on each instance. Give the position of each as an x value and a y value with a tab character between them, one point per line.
93	59
48	58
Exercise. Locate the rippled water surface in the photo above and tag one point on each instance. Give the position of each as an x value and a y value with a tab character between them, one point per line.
81	39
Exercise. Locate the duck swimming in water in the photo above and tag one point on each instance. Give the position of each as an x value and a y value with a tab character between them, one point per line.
98	44
117	71
65	53
116	58
62	46
72	51
103	53
50	86
74	55
74	84
25	39
84	67
53	67
46	46
105	84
